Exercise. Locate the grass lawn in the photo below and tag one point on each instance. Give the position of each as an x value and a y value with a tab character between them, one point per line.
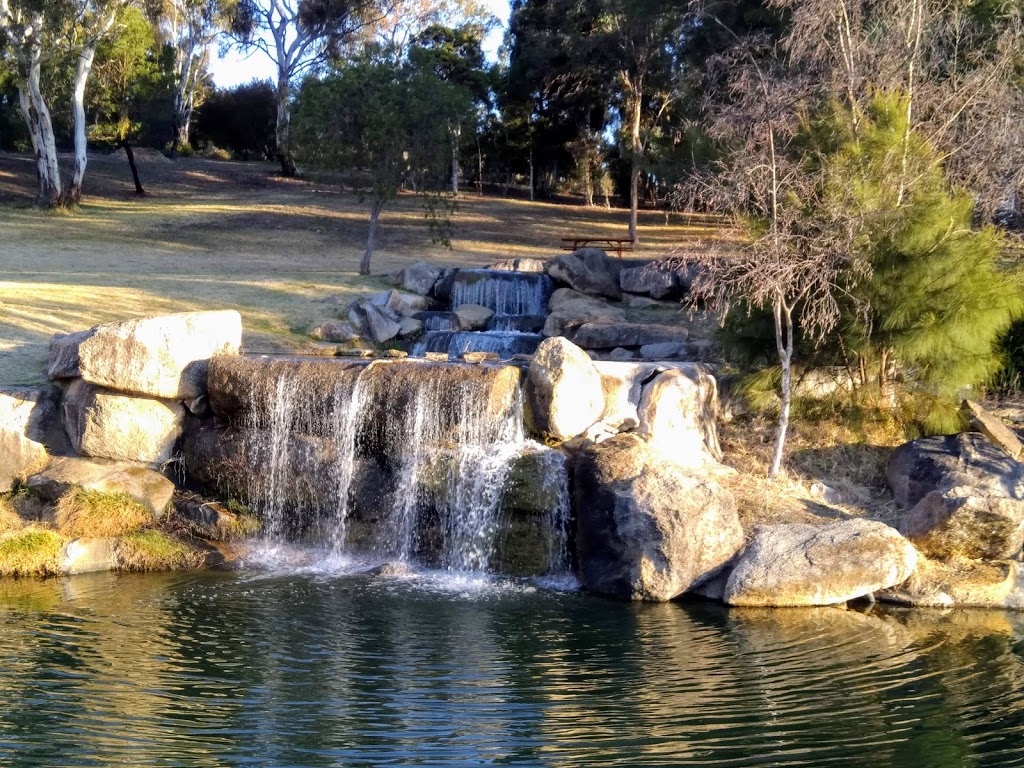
216	235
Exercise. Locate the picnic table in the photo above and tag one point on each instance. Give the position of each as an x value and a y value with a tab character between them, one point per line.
617	244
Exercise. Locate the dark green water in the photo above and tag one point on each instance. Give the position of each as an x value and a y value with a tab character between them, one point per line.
243	669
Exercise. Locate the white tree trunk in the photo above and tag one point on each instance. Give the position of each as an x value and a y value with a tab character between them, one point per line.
84	67
784	345
456	134
283	128
40	126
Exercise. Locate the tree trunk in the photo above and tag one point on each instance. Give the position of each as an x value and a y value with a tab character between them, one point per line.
886	389
40	127
82	70
131	164
371	237
634	172
456	133
284	128
182	121
784	345
479	167
531	174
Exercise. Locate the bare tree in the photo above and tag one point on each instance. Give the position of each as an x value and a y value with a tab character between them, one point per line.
298	36
956	64
791	261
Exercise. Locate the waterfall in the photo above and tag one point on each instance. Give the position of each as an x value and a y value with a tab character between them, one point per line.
507	293
454	343
400	460
273	492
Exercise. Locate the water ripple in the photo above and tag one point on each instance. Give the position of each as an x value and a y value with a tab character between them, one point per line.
333	666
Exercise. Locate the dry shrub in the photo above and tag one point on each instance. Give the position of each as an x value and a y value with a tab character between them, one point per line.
30	552
152	550
92	514
850	461
10	520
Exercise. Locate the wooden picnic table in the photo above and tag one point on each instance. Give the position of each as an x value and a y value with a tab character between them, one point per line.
617	244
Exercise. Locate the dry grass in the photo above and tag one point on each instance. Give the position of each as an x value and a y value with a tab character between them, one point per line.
216	235
30	552
92	514
818	452
152	550
10	520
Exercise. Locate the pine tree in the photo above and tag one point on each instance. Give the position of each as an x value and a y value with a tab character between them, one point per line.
938	298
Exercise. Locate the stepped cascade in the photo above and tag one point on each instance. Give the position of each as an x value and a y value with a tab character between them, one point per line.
519	301
395	460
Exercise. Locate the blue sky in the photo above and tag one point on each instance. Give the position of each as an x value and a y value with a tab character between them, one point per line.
236	68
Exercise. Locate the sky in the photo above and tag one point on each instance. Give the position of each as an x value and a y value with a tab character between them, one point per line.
236	67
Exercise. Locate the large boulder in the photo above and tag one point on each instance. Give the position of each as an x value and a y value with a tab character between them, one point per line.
473	317
678	414
564	390
418	278
165	356
26	415
105	424
647	528
375	322
570	309
609	335
588	270
963	496
962	583
794	564
654	279
149	488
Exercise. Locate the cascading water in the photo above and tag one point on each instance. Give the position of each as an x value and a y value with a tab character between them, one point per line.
519	301
455	343
398	460
507	293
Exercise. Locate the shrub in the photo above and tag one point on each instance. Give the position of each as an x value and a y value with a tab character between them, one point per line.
152	550
82	513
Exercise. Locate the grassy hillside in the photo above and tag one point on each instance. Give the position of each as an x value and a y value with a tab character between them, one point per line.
216	235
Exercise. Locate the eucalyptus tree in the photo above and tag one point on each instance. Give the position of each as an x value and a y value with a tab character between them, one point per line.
189	28
298	36
38	32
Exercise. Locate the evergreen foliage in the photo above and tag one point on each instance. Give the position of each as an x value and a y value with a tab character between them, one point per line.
938	297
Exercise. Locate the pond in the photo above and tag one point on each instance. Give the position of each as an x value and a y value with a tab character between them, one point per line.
321	668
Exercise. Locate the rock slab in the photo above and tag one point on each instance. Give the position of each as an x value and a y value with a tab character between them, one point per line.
164	357
104	424
799	565
647	528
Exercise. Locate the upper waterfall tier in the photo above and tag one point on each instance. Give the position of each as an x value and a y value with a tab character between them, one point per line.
507	293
